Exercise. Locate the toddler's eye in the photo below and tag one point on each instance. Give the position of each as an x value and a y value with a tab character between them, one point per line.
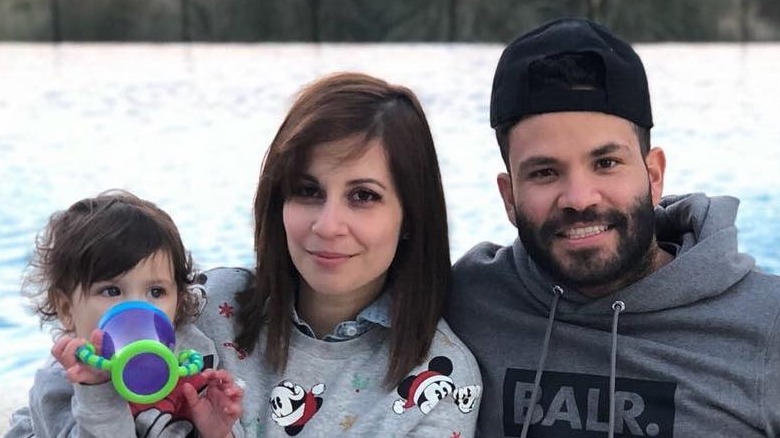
157	292
110	291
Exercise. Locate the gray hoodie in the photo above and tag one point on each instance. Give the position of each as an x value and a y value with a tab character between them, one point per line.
694	353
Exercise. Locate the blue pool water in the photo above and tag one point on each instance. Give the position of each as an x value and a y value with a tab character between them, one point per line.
187	126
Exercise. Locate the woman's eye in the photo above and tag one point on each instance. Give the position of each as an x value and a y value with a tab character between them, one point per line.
363	196
307	191
110	291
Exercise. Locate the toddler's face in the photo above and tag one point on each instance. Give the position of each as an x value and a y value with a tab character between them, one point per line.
150	280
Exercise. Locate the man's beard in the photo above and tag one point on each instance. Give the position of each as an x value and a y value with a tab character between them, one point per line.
588	268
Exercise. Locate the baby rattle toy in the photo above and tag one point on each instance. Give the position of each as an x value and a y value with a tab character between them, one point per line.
137	351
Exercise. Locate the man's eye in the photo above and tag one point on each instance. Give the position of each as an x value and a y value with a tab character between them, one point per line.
541	174
606	163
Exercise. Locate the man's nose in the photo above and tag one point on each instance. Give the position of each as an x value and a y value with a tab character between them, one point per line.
580	191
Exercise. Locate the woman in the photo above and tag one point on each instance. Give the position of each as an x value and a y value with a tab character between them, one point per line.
338	330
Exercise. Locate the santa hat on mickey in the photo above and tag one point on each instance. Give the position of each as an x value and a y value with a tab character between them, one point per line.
422	381
309	406
309	409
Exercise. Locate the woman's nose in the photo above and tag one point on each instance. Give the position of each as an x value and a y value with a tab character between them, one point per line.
330	219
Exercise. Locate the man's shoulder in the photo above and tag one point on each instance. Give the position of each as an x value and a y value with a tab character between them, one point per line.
485	262
760	288
768	277
481	255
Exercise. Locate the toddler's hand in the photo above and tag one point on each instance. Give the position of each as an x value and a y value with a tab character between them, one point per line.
215	412
64	351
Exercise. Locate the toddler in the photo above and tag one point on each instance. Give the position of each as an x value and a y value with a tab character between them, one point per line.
99	252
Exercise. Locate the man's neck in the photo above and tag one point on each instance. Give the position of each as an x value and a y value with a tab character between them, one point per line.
655	260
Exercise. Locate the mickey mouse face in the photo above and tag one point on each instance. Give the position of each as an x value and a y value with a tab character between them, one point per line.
466	397
434	393
285	400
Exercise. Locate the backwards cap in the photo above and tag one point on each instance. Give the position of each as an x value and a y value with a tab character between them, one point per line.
625	92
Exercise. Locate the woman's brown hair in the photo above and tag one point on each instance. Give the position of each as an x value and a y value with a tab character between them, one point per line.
334	108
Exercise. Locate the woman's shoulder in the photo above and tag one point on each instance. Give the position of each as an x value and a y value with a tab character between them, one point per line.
220	287
190	337
449	366
447	344
225	281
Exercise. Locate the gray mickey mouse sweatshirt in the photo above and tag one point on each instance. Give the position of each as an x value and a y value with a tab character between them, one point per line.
697	345
334	389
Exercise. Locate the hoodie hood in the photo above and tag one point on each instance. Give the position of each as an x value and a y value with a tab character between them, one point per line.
701	228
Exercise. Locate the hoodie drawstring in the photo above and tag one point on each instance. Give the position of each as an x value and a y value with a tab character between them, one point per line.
617	306
557	292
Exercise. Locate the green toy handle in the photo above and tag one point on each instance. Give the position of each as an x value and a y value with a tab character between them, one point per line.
188	363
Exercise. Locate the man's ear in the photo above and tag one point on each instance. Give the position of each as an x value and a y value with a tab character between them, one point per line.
655	161
504	182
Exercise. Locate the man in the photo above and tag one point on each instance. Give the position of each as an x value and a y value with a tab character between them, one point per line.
616	312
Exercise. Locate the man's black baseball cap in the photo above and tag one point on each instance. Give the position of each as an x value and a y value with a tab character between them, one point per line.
625	92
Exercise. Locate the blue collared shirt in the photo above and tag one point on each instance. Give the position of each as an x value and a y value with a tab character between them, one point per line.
376	313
